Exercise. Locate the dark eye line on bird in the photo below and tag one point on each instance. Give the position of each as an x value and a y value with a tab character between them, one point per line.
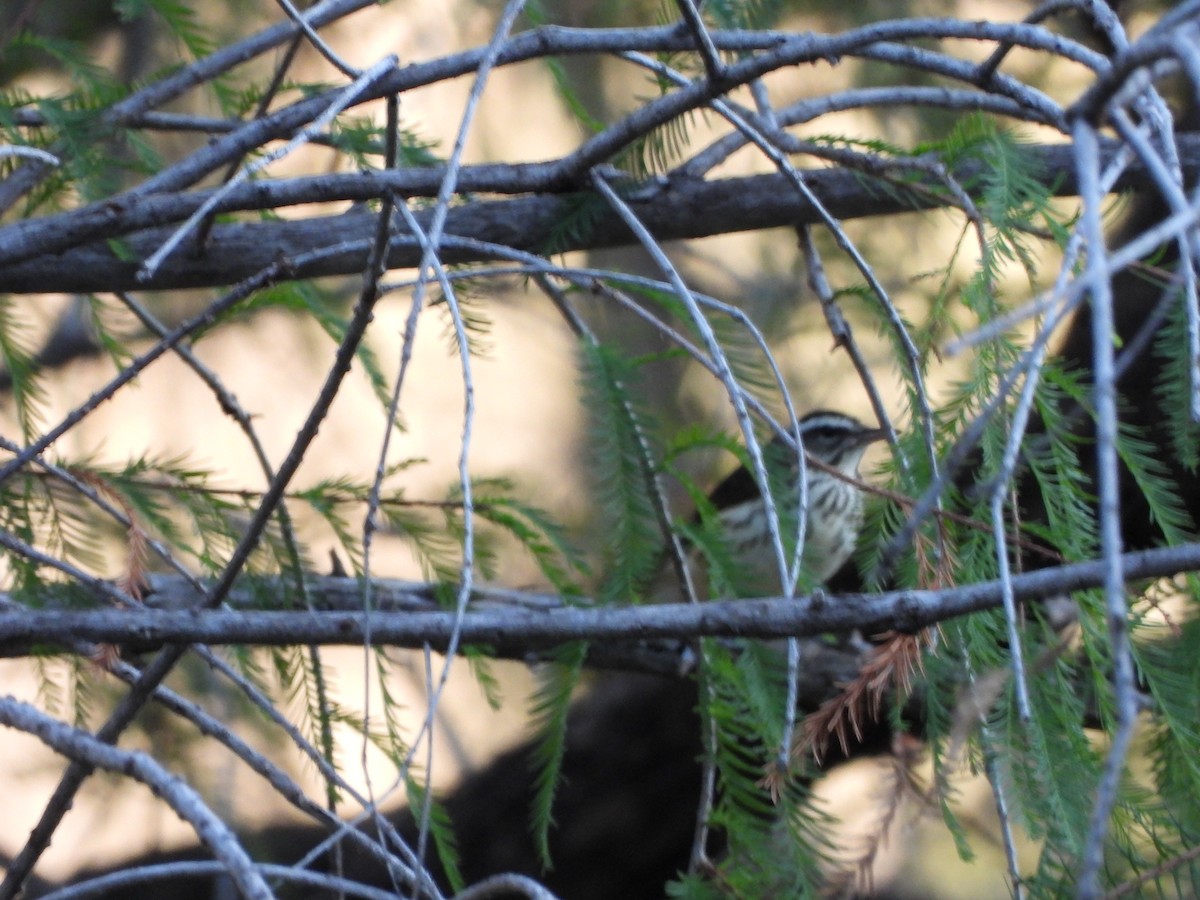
834	444
817	429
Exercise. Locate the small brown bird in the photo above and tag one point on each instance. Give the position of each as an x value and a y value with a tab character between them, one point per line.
835	507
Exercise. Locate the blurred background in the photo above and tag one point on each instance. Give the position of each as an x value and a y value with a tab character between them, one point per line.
531	425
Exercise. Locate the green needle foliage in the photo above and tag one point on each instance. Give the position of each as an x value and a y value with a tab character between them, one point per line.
72	516
557	681
623	463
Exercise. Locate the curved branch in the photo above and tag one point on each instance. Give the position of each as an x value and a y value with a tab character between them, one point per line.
92	752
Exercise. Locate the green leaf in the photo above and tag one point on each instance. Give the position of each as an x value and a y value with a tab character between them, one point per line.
744	14
1174	385
550	706
560	562
17	355
579	214
776	849
180	19
622	466
441	829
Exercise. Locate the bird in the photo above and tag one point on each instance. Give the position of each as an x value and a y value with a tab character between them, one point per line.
834	443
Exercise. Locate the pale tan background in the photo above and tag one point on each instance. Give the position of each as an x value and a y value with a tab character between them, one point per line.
530	423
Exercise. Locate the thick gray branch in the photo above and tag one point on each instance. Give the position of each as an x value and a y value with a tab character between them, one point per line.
514	625
70	252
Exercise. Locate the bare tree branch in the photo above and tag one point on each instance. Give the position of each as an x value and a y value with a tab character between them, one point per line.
91	752
521	624
155	234
67	253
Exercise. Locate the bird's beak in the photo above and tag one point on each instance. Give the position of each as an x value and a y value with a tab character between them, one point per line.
871	436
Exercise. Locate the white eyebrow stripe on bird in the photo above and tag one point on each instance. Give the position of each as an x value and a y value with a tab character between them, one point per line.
834	445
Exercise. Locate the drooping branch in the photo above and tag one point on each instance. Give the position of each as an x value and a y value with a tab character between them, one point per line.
87	750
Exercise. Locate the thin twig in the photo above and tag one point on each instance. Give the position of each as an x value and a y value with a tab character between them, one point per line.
83	748
16	150
342	100
173	85
704	42
843	336
135	367
1097	278
229	404
318	42
162	665
115	883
